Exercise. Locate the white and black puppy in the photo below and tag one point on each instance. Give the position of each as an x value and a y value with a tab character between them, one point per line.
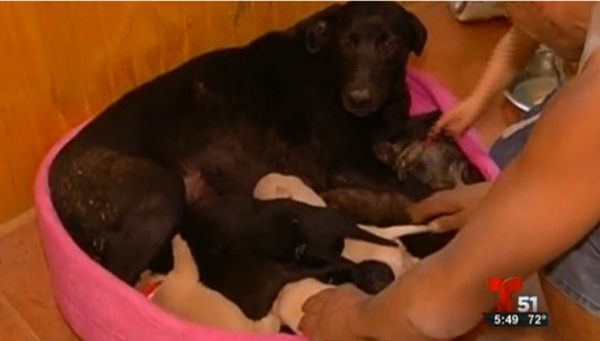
375	262
279	186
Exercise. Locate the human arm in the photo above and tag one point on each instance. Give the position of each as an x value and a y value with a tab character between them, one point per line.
545	201
509	56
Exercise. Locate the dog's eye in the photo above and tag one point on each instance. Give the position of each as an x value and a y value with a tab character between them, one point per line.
300	251
294	222
388	47
383	37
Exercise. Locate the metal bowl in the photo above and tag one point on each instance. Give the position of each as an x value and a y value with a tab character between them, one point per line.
543	74
466	11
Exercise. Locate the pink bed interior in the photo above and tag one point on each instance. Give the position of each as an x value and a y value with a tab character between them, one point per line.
98	306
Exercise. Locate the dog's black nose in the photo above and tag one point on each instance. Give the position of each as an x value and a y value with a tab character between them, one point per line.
360	97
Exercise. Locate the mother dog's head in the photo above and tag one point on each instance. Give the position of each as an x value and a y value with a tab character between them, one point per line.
370	43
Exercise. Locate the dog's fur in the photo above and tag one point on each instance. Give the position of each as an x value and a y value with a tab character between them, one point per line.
230	116
436	162
425	164
235	240
428	165
249	249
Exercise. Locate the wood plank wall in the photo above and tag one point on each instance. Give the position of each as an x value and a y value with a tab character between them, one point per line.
63	62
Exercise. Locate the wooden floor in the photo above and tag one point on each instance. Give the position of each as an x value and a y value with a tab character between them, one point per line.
27	309
456	54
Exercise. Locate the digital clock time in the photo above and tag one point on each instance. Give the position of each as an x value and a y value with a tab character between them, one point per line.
517	319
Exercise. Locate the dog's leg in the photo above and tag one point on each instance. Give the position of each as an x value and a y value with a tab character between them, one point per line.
121	210
369	207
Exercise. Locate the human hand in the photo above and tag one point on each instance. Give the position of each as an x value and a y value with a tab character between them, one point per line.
346	313
448	209
458	119
334	314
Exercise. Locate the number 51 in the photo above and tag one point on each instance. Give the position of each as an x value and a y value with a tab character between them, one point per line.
528	303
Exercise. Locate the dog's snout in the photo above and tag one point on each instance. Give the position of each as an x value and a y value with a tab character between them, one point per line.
360	97
359	101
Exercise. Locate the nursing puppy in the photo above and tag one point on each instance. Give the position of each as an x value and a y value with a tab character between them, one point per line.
247	249
306	101
182	293
279	186
377	265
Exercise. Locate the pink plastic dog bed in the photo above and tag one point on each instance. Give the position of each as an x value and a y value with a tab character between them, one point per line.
98	306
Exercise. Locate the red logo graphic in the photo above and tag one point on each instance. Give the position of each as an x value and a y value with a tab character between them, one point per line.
505	288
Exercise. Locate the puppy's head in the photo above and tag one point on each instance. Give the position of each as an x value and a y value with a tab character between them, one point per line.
439	164
288	231
372	276
370	43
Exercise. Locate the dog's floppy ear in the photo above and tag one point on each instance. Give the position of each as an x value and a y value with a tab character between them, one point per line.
419	34
317	36
318	29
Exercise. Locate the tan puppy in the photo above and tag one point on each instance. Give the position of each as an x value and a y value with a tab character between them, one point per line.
183	295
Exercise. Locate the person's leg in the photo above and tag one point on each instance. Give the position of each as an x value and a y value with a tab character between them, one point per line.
577	273
568	320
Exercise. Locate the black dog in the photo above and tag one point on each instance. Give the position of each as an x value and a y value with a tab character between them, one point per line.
248	249
307	101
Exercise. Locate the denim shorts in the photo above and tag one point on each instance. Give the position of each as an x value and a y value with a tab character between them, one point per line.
577	272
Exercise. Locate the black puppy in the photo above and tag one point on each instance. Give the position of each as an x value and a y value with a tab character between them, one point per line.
249	249
306	101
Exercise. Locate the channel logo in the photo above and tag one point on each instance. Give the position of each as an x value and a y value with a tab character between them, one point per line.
526	314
